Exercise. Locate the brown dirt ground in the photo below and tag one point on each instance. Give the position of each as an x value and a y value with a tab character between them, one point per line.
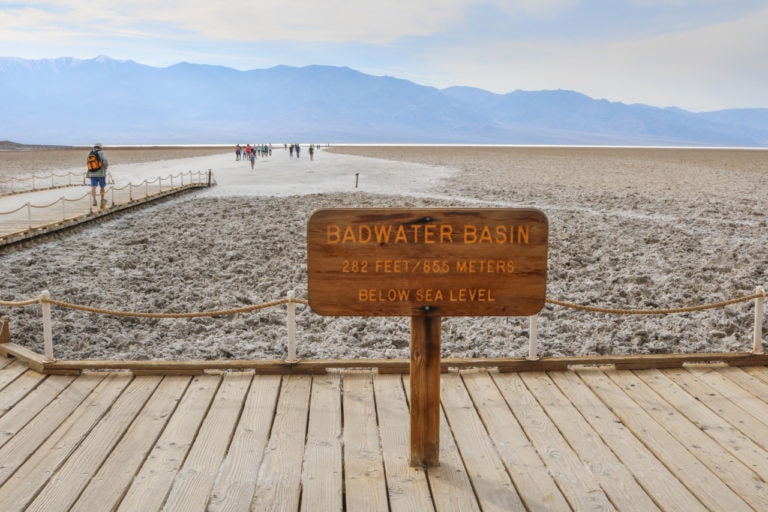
26	161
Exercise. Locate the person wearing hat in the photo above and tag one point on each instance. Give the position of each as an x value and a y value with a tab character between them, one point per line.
97	171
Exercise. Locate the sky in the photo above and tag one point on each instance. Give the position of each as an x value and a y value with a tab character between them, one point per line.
699	55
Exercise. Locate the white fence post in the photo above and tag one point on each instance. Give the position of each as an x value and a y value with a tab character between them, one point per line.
29	215
757	337
533	344
291	323
63	209
47	330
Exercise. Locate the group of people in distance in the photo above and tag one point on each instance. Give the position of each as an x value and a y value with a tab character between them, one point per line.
297	148
250	152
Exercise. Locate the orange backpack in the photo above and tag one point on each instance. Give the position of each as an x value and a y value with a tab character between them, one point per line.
94	161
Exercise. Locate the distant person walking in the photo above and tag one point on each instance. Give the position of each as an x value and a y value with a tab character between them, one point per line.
237	152
252	157
311	151
297	148
290	150
97	171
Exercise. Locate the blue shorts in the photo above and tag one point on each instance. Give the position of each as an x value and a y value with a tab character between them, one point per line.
99	182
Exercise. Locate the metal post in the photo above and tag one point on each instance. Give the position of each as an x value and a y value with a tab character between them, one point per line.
533	342
757	338
291	329
47	330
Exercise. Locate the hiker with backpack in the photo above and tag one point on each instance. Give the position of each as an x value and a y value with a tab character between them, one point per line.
97	171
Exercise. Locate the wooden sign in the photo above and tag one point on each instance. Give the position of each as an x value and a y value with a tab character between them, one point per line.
427	261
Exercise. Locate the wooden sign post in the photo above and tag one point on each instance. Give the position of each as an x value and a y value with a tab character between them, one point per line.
427	263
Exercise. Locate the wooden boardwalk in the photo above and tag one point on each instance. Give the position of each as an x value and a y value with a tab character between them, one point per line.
694	438
72	210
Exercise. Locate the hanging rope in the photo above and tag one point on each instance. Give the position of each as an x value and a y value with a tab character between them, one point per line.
662	311
255	307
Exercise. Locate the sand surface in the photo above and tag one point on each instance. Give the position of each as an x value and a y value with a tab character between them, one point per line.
629	228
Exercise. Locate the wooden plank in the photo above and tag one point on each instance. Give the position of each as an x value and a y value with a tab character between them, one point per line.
408	485
64	487
425	391
579	487
107	487
667	491
39	399
51	453
708	488
27	429
748	399
35	361
278	367
493	487
759	372
738	417
752	383
450	484
236	482
323	476
364	477
729	469
10	372
617	482
534	483
737	444
5	332
18	389
152	483
279	481
192	486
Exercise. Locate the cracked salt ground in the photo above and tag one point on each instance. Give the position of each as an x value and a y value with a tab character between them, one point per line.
243	242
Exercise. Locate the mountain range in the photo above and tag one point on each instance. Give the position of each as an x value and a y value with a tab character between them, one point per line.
69	101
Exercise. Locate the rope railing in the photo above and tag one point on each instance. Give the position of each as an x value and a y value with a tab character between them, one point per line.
46	302
660	311
10	185
118	195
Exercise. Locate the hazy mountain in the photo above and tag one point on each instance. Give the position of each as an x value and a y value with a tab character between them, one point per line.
71	101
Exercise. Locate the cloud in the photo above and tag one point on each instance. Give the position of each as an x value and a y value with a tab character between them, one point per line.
654	51
378	22
718	66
